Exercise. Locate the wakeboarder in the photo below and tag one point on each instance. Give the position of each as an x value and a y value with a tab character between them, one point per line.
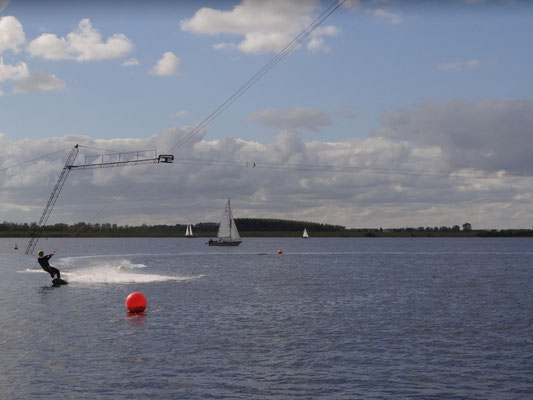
43	261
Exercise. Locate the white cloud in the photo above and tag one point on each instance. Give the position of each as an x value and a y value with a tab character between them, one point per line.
38	81
84	44
12	72
397	177
317	42
169	64
388	15
451	66
225	46
11	34
352	3
180	114
264	42
266	26
292	119
24	81
130	62
473	63
328	30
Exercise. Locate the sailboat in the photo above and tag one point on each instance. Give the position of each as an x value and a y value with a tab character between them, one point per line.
227	235
305	234
188	231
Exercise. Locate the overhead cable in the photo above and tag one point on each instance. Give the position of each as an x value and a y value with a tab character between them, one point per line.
34	159
267	67
349	169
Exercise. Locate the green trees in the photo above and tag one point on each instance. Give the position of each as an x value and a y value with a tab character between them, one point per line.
247	227
276	225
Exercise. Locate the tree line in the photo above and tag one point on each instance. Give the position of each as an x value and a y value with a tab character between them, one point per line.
201	229
246	226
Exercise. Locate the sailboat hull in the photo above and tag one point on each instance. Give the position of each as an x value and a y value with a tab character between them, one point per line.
224	242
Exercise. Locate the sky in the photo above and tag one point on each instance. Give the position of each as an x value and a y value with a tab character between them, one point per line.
389	114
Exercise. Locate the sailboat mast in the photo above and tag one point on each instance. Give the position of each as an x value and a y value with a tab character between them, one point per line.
230	216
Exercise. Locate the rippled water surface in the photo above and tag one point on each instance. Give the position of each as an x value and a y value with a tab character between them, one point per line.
327	319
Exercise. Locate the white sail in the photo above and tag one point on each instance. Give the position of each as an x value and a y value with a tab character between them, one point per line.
224	228
188	231
234	232
228	234
227	228
305	235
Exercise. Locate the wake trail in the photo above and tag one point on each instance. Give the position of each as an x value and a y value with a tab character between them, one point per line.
115	271
107	275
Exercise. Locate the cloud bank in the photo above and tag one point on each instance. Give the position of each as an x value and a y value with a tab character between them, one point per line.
418	168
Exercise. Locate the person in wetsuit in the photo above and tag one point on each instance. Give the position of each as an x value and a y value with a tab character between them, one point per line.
43	261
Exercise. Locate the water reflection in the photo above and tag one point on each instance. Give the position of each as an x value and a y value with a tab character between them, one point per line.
46	289
135	318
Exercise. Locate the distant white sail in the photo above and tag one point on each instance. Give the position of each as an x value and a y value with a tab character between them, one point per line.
305	235
188	231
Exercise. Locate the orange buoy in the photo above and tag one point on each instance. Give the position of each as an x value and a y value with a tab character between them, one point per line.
136	302
280	251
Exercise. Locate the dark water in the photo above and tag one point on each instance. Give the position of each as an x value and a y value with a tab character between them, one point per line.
328	319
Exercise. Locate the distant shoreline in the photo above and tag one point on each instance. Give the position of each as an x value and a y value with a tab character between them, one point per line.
344	234
248	227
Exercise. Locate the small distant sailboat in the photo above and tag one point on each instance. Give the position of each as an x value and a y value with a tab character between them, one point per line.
228	235
16	247
188	231
305	234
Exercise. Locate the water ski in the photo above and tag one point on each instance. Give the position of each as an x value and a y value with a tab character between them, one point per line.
59	281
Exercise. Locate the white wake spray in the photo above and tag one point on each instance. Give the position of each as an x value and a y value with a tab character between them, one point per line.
96	270
106	274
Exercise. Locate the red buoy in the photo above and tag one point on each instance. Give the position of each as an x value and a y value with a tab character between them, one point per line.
136	302
280	251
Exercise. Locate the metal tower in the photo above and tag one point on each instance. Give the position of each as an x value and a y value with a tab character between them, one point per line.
115	160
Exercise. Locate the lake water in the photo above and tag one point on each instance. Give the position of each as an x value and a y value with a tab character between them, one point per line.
350	318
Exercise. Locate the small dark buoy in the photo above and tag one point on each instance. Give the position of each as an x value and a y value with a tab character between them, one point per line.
280	251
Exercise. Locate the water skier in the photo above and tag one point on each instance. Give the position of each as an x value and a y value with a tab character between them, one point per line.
43	261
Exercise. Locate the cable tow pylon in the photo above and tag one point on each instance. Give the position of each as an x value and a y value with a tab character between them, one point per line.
53	198
134	158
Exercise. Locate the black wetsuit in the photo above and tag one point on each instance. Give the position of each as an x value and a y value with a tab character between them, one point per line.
43	261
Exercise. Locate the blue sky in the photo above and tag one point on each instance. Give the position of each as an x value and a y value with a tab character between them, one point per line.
374	66
376	72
